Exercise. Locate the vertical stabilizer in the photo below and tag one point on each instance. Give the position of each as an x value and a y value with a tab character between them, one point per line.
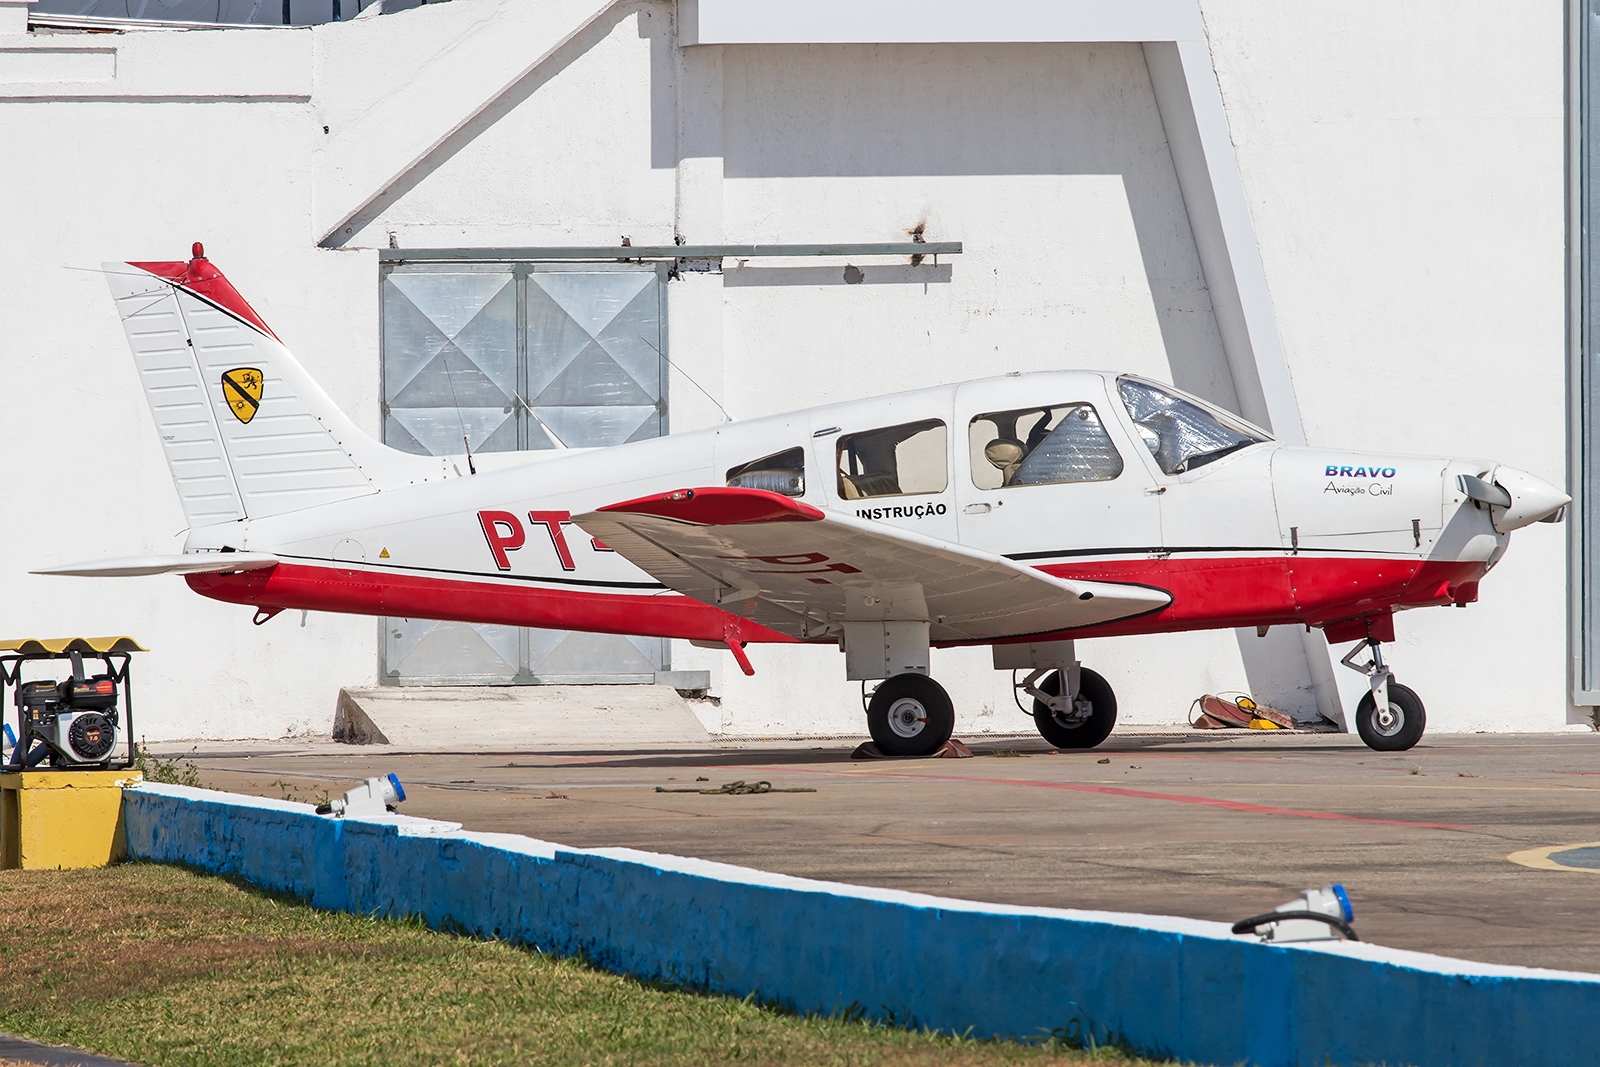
246	431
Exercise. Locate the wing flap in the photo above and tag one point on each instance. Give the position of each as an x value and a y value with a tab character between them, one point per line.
188	563
802	571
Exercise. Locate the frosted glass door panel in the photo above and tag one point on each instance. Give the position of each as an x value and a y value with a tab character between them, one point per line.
518	356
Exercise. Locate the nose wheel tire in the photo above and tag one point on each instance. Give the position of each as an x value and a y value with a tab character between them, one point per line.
1397	727
910	715
1089	722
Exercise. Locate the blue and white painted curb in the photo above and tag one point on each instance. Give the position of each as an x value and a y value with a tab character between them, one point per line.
1179	987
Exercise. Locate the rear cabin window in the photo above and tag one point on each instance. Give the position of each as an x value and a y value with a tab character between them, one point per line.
781	472
899	460
1041	446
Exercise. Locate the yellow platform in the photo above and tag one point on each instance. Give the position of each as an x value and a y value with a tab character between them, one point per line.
62	819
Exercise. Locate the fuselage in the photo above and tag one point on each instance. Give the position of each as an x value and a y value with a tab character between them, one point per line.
1260	535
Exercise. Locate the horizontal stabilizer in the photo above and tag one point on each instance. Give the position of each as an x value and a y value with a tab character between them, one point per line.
189	563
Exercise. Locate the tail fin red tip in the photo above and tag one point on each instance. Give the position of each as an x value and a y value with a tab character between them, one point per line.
200	277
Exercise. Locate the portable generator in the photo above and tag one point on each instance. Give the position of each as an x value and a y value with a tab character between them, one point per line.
79	722
77	718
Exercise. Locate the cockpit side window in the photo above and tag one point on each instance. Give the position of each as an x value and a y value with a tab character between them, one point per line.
1041	446
1183	433
782	472
899	460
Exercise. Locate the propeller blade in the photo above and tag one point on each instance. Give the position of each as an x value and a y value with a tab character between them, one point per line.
1482	491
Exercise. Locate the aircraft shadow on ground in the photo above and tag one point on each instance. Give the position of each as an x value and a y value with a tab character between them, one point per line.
708	757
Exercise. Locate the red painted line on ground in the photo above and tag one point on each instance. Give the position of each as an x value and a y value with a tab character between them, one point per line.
1142	794
1106	790
1208	757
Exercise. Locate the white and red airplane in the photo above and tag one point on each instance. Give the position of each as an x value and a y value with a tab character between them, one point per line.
1021	512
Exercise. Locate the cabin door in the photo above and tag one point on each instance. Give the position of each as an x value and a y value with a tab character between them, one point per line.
1049	479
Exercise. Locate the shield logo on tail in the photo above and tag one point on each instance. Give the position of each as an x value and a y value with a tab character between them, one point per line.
241	388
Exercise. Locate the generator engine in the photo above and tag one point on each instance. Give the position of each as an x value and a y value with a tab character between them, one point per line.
82	723
76	719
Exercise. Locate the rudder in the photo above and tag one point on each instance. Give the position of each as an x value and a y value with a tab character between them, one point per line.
246	431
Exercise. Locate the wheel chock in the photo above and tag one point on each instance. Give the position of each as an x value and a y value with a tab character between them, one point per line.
951	749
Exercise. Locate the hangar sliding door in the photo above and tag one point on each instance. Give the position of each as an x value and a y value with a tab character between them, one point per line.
1583	342
519	356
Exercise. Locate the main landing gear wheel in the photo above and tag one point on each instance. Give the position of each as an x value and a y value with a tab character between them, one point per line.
1093	715
1395	728
910	715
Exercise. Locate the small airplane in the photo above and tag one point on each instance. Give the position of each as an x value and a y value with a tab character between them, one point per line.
1021	512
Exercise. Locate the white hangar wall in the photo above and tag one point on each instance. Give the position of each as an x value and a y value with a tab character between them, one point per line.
1404	171
199	136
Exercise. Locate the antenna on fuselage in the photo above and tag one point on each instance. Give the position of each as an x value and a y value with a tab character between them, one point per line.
725	416
545	426
460	422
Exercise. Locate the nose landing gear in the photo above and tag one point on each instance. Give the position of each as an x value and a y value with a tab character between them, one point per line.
1072	707
1390	717
1075	720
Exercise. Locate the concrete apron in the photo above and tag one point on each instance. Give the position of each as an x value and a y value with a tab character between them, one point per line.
1171	987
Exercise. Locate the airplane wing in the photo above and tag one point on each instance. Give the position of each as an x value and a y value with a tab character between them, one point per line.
188	563
802	571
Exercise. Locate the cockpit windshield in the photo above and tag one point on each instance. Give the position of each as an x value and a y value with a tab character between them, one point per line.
1181	432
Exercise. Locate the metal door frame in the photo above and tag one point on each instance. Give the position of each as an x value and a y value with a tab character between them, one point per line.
520	269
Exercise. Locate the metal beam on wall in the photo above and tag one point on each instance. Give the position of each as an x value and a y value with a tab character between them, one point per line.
438	99
632	253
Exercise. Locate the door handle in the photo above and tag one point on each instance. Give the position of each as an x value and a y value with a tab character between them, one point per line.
975	509
1157	491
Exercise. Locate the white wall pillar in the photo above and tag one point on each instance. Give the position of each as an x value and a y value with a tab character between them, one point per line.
13	16
1288	668
1224	235
694	300
696	387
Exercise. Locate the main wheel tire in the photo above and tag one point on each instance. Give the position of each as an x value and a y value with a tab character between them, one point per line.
1077	733
910	715
1398	730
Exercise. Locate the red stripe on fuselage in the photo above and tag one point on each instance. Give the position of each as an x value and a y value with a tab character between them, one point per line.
1207	593
1223	592
409	596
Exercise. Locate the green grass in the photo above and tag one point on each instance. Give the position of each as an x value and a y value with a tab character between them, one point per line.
164	966
172	771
